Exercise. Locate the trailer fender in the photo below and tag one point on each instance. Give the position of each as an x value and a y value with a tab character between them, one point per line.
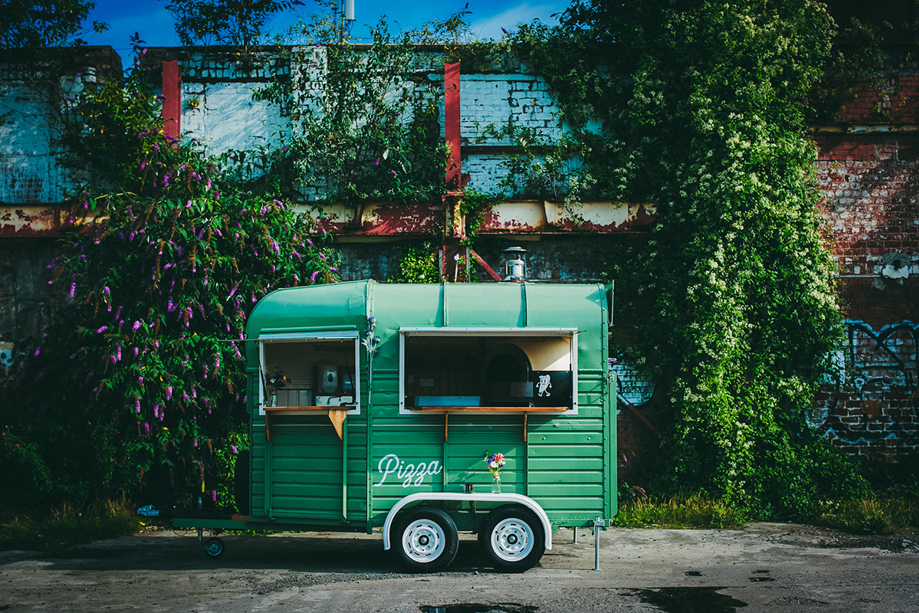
440	496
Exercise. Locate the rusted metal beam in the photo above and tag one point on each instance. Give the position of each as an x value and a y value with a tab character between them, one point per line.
491	271
35	220
545	217
382	220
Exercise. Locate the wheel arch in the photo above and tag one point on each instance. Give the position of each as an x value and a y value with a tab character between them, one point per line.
524	501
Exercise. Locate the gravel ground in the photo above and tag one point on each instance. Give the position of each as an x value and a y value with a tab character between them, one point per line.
765	567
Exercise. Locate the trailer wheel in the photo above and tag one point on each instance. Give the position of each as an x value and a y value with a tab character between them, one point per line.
512	539
213	547
427	539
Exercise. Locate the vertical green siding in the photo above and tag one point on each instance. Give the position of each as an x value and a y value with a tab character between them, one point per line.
566	464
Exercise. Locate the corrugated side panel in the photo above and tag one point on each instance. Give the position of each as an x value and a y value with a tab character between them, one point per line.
563	464
305	459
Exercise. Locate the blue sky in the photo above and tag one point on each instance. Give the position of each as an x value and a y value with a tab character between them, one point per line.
155	25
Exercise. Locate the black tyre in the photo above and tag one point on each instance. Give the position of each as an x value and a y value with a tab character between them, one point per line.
512	539
425	539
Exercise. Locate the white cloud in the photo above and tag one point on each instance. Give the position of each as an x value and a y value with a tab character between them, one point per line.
510	18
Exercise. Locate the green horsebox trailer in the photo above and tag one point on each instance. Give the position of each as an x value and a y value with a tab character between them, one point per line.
373	406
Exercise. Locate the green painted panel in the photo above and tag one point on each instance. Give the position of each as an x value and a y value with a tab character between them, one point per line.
355	465
566	451
541	492
559	477
572	503
566	465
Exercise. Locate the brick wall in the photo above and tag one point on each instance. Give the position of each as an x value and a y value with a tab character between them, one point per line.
869	174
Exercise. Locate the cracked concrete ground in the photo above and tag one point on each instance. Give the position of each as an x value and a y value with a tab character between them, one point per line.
764	567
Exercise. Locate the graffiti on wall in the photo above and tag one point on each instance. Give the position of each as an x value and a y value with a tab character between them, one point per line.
870	399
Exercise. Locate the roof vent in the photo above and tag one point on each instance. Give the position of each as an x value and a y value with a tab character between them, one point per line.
515	267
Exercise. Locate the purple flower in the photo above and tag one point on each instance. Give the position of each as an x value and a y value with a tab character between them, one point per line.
169	392
274	246
322	256
313	277
102	329
393	172
137	404
37	351
136	327
73	289
377	163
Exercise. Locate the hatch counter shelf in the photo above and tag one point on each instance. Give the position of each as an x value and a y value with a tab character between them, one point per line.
372	406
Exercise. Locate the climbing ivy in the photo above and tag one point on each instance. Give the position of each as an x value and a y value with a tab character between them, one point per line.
704	115
364	120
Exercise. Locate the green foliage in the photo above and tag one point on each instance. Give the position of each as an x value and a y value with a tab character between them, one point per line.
169	254
697	512
68	525
416	264
364	124
473	206
704	108
35	25
238	23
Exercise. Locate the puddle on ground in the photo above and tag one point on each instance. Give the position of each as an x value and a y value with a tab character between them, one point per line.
693	573
690	600
507	607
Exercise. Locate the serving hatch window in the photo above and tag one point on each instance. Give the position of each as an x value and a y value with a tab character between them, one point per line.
310	371
496	368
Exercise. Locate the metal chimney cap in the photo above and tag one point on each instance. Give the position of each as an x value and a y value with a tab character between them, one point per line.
515	267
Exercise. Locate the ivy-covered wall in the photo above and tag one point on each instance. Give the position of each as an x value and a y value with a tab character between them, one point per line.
867	172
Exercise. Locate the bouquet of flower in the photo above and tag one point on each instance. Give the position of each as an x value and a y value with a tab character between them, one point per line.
277	380
495	463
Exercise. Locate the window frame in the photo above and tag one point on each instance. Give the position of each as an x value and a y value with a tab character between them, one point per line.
301	337
572	333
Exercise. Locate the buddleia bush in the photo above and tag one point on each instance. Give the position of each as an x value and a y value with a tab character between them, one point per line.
141	382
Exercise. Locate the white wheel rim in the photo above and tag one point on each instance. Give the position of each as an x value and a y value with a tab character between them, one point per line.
423	541
512	540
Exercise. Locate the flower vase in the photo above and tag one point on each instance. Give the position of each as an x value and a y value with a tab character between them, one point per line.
496	484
